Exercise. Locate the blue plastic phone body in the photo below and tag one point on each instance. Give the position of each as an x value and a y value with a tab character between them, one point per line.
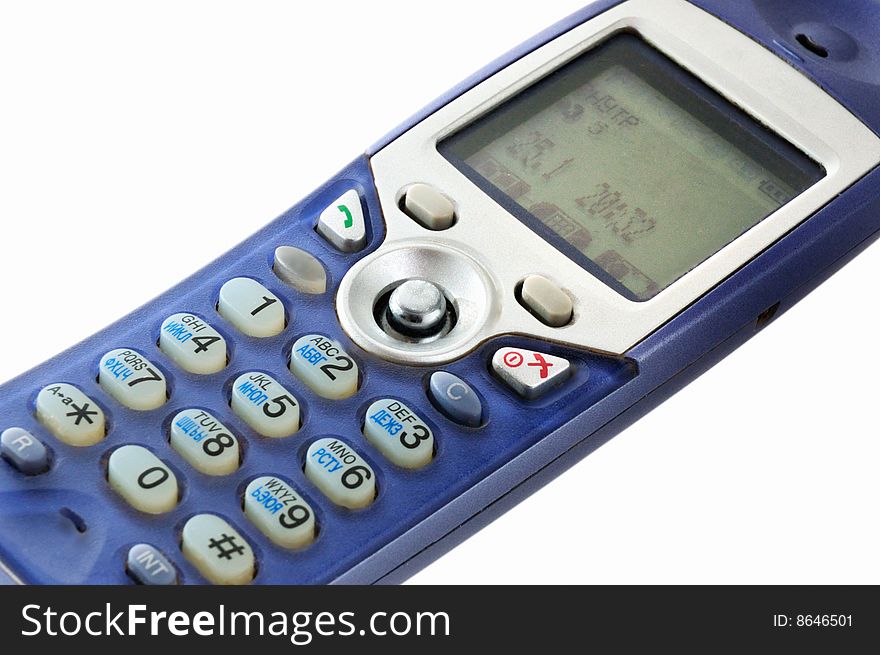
477	473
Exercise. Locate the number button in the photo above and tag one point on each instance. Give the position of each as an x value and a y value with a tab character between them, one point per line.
217	550
132	379
266	406
192	344
142	479
399	433
204	442
279	512
340	473
251	308
70	415
324	366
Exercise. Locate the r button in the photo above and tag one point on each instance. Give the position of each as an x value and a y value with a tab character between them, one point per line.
456	399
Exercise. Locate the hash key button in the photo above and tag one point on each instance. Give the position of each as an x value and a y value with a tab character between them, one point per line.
24	451
148	566
70	415
133	380
217	550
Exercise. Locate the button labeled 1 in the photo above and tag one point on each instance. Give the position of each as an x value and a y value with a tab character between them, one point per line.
70	415
340	473
251	308
205	442
142	479
323	365
530	374
266	406
279	512
217	550
132	379
399	433
192	344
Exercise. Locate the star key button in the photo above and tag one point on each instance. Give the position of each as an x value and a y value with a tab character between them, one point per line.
529	373
70	415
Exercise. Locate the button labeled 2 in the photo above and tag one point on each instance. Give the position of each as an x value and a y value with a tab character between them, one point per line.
205	442
266	406
340	473
399	433
132	379
279	512
323	365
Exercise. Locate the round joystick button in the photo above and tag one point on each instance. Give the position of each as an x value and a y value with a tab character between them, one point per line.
417	307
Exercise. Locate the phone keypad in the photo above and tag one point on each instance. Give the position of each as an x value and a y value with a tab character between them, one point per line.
340	473
142	479
132	379
203	441
324	366
266	406
251	308
280	512
192	344
70	415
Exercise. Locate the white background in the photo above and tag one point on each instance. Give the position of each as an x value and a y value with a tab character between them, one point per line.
179	128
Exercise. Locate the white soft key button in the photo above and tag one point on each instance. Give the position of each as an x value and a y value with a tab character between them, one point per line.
205	442
251	308
192	344
217	550
429	207
549	303
399	433
529	373
342	223
340	473
279	512
70	415
323	365
266	406
142	479
132	379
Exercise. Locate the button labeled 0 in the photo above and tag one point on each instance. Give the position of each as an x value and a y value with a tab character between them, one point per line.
142	479
340	473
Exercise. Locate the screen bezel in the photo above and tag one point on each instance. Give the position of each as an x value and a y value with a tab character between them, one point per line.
687	86
744	72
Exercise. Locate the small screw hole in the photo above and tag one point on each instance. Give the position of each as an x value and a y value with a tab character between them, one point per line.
811	45
766	316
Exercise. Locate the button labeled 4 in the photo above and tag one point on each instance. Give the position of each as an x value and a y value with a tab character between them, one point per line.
530	374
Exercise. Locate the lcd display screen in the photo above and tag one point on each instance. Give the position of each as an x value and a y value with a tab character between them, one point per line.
630	165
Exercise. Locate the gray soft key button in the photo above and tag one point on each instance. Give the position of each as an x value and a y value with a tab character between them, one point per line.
24	451
455	398
148	566
300	269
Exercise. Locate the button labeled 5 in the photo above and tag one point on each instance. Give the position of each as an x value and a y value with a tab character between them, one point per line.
340	473
323	365
265	405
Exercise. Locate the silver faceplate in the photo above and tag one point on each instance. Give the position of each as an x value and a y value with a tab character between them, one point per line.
480	260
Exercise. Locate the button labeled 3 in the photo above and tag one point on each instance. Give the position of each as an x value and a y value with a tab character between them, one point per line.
70	415
340	473
266	406
251	308
192	344
205	442
530	374
279	512
399	433
132	379
217	550
142	479
342	223
323	365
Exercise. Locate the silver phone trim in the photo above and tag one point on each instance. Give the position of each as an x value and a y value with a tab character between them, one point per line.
506	250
